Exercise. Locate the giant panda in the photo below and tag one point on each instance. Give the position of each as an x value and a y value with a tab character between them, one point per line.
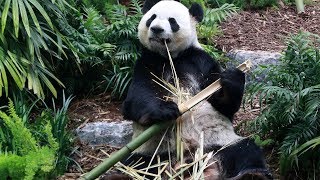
145	104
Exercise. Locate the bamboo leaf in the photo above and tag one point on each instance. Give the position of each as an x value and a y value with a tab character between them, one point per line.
60	48
45	71
15	17
48	84
42	11
5	15
3	77
29	78
24	17
33	16
16	77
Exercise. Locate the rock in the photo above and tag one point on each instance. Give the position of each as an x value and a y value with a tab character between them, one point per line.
257	58
115	134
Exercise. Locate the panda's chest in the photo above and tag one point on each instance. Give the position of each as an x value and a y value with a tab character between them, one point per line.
188	79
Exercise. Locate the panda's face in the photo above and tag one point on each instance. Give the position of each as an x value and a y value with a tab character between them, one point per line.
168	21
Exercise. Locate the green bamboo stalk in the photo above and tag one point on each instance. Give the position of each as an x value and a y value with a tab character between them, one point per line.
126	150
300	6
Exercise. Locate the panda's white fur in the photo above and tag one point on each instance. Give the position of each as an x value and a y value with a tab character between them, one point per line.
180	40
217	129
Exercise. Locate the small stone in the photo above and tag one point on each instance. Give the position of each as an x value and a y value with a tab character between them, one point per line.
115	134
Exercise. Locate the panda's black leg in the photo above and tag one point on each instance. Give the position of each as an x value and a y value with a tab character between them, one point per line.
244	160
228	100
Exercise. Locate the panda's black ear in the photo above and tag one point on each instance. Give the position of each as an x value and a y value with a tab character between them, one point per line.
196	11
148	4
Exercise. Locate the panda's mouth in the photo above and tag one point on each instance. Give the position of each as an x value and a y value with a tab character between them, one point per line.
161	40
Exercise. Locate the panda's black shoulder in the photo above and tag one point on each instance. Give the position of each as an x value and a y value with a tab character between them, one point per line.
149	61
201	59
197	54
149	58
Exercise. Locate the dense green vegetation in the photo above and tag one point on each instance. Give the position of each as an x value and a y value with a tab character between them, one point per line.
30	150
290	98
90	46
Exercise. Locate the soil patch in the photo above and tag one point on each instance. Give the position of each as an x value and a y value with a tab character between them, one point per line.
94	109
267	30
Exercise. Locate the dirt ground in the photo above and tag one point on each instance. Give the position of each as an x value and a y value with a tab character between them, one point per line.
267	30
249	30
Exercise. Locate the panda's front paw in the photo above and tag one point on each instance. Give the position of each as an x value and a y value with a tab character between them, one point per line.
232	81
167	111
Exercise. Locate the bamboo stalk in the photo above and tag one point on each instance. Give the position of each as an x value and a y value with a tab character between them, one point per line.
155	129
125	151
300	6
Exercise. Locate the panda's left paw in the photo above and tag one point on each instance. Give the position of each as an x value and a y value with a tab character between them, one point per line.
165	111
232	81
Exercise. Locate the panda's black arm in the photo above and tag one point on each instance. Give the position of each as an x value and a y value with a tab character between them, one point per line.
228	99
142	104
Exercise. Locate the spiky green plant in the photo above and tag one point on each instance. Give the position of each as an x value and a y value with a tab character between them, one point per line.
29	42
291	97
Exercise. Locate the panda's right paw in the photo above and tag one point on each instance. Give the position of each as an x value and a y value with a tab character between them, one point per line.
167	111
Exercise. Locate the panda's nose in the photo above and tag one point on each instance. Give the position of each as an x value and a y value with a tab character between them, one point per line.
157	29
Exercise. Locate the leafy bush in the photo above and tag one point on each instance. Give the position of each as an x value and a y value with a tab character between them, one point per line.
27	158
29	42
122	32
291	93
209	28
33	150
85	30
107	45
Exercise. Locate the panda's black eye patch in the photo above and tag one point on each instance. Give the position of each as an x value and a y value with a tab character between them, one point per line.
174	25
149	21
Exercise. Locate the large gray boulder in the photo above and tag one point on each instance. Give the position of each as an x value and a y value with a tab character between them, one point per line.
256	57
115	134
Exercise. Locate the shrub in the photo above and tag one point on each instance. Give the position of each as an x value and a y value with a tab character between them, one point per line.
27	158
30	150
29	43
291	93
122	31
